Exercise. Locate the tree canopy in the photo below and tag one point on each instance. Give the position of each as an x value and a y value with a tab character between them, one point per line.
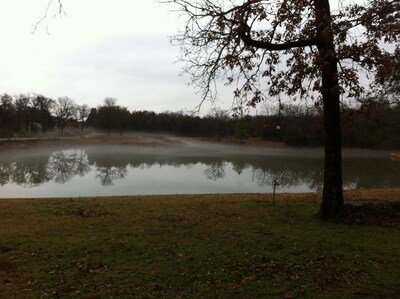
269	47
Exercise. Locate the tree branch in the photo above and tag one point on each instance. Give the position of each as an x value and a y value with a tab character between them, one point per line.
245	35
60	12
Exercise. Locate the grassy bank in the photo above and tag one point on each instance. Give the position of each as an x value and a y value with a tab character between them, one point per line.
194	246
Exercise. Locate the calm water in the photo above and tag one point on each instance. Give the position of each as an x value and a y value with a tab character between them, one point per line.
188	168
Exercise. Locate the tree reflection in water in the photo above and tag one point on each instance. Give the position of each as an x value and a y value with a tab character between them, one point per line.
238	165
62	166
33	168
108	174
109	167
82	161
59	166
215	170
27	172
6	170
289	172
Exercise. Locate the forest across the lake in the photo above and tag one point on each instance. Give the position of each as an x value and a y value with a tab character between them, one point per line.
368	123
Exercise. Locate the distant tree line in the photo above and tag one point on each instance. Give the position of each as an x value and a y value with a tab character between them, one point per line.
372	123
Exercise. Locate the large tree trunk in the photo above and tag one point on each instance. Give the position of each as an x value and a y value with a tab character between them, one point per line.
332	198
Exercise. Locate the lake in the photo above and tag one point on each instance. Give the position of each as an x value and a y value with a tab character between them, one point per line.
188	168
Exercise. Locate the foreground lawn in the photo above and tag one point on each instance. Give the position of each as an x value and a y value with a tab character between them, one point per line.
193	246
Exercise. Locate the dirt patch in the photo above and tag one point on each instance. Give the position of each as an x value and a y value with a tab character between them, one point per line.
127	139
139	140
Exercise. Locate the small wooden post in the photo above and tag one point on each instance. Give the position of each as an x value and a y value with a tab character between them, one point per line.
274	184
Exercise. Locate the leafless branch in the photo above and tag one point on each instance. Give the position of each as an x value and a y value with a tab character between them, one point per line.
44	18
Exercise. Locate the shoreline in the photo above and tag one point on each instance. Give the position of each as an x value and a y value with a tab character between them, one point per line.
157	140
351	196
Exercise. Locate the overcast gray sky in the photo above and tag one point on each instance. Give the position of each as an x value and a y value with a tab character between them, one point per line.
116	48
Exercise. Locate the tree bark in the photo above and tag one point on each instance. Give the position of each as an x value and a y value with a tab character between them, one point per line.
332	198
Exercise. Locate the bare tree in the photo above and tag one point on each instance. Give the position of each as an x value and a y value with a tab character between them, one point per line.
41	107
298	48
7	115
106	116
82	112
110	102
23	111
64	109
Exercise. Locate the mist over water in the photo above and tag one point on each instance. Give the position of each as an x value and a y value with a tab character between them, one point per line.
186	168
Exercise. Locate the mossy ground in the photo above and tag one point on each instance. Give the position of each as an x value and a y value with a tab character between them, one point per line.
194	246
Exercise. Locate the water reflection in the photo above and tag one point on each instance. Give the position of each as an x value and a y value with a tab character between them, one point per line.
215	171
27	171
82	161
293	171
108	174
63	165
57	166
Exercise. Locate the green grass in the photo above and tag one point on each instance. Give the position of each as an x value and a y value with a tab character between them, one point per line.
200	246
